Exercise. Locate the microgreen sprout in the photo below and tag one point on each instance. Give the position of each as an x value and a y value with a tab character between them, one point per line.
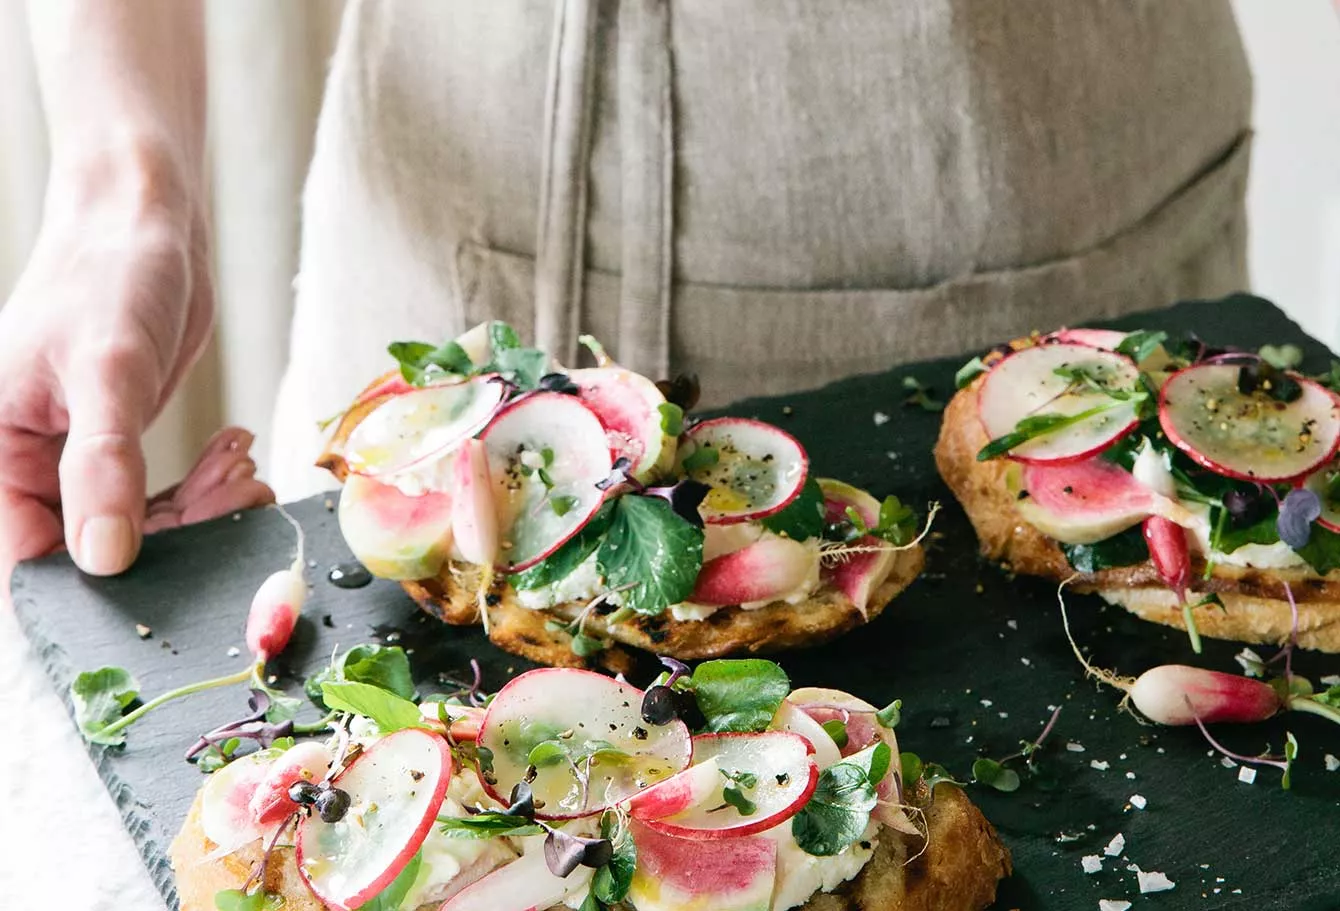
919	395
1284	763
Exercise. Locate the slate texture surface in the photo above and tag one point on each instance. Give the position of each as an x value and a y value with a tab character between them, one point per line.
977	658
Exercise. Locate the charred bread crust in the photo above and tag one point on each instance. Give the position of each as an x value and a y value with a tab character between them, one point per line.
959	869
1256	608
778	627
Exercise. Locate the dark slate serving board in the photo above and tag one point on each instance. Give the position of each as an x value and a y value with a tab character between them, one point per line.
963	636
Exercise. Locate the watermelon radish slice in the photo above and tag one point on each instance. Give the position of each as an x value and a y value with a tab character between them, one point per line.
1249	436
525	884
770	568
679	792
393	534
1107	339
1090	501
628	406
791	717
546	454
306	761
397	786
683	874
1326	485
758	469
474	517
416	427
855	575
572	725
784	776
1026	384
225	802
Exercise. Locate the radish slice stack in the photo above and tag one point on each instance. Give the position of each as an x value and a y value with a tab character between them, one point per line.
758	470
413	428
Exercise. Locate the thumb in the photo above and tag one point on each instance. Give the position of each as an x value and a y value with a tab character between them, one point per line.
102	474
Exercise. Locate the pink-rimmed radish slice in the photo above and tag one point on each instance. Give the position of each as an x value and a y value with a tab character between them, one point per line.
863	731
474	516
764	571
525	884
1107	339
758	469
415	427
1026	384
306	761
628	406
1249	436
391	384
683	874
547	452
462	721
587	714
1091	500
397	786
790	717
856	575
784	774
225	802
1326	485
393	534
679	792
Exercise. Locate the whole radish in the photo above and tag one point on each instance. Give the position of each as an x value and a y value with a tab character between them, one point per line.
1176	694
277	604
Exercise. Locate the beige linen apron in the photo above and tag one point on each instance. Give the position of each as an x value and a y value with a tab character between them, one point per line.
769	193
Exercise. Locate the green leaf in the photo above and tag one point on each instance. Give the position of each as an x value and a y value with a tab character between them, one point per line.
487	825
584	646
838	812
1281	357
1290	754
1225	538
312	685
735	797
392	898
1139	345
591	903
562	504
1039	425
739	695
653	550
547	753
561	563
421	363
672	419
835	729
1124	549
1330	697
969	372
891	714
237	900
522	366
99	698
921	395
897	522
389	711
384	666
992	773
1322	551
911	766
803	518
700	459
611	882
503	337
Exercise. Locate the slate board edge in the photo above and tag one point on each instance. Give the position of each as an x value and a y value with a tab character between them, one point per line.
140	825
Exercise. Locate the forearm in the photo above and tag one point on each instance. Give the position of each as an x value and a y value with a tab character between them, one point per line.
123	85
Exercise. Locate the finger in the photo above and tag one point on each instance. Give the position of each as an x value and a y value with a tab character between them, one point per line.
110	400
30	529
227	449
245	494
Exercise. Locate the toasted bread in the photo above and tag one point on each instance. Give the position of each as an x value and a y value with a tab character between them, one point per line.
1255	605
962	861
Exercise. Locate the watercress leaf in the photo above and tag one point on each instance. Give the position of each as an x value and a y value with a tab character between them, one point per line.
282	707
584	646
393	896
502	336
891	714
1124	549
911	766
389	711
672	418
611	882
99	697
547	753
1281	357
562	504
1139	345
877	766
591	903
312	685
487	825
237	900
897	522
921	395
739	695
804	517
993	774
1227	535
384	666
935	774
835	729
652	551
837	814
1322	551
522	366
969	372
561	563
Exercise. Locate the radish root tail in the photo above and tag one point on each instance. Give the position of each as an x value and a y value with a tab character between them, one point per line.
1105	676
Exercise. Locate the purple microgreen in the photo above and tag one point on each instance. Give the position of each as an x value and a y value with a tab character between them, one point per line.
684	498
258	872
1283	763
618	475
249	727
683	390
521	802
558	382
676	667
564	853
1245	507
1298	510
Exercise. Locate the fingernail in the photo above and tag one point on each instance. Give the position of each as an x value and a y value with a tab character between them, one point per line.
107	545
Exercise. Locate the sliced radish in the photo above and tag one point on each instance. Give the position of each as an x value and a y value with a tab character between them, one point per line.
1248	435
393	534
679	792
759	469
474	517
628	406
389	384
1107	339
306	761
1091	500
462	720
683	874
397	786
545	436
1169	552
415	427
768	569
791	717
525	884
225	802
856	575
1321	483
719	540
583	712
784	772
1026	384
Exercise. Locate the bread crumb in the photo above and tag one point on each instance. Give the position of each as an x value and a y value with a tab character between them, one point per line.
1154	882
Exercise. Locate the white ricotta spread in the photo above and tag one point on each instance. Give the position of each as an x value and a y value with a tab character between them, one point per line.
582	584
450	864
800	875
434	474
1254	556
